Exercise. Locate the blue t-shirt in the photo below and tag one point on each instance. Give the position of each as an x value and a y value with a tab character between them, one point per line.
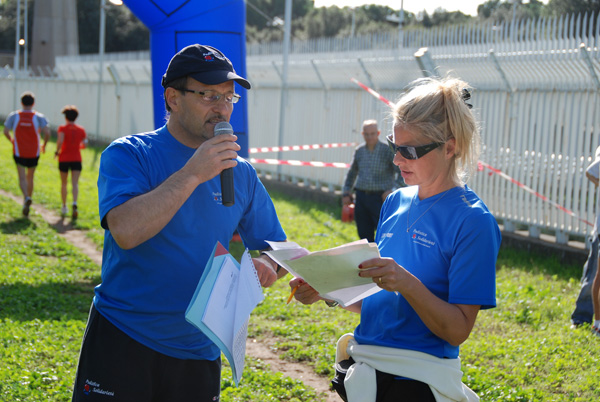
146	290
451	248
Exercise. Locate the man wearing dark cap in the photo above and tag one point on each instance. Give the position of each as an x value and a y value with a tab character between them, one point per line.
160	206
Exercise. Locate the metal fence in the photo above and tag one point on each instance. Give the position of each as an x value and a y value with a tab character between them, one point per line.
125	93
536	95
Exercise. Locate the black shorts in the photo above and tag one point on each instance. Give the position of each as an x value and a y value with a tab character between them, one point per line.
65	166
113	368
26	162
390	388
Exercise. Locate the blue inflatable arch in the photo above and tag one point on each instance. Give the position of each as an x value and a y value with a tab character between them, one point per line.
175	24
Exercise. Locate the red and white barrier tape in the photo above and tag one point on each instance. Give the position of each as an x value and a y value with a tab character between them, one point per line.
497	171
530	190
300	163
481	164
300	147
372	92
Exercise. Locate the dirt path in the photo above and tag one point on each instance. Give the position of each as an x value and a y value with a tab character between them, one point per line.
298	371
254	348
63	227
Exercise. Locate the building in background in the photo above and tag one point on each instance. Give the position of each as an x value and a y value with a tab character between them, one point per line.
55	31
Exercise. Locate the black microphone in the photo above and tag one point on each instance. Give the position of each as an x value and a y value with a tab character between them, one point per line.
227	191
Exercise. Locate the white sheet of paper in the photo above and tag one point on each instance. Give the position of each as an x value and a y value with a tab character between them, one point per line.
234	295
333	272
222	303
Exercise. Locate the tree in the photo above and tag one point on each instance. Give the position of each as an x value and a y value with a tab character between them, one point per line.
499	11
8	24
264	19
124	32
485	10
443	17
337	22
262	13
559	7
326	21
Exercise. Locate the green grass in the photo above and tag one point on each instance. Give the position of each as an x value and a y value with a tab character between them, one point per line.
523	350
45	288
47	185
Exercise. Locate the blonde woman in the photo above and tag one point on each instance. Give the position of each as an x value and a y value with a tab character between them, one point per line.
439	245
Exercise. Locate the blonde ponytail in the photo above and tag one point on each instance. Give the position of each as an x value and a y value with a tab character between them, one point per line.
437	110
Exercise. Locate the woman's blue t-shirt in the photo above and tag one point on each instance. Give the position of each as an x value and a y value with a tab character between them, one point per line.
451	248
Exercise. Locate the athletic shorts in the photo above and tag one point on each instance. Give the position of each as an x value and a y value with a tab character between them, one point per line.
26	162
115	368
65	166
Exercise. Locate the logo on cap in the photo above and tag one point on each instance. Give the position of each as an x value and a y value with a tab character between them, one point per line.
212	56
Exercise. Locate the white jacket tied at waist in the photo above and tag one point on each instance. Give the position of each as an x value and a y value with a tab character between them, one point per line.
443	376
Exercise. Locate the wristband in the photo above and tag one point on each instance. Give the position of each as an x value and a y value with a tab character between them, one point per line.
278	266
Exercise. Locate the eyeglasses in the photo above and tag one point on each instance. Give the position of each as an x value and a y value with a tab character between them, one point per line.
212	97
409	152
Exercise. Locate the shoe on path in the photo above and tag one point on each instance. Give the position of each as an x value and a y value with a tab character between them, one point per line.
64	211
74	214
26	206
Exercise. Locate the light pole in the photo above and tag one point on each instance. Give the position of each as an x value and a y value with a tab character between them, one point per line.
400	20
21	41
17	54
353	29
25	37
17	38
102	35
284	84
401	26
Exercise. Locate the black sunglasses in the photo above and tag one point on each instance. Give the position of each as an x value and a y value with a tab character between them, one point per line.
409	152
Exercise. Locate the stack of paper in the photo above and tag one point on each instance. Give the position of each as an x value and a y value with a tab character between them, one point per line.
333	273
225	296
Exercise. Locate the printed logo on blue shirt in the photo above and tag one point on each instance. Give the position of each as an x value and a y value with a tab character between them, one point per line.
218	198
421	239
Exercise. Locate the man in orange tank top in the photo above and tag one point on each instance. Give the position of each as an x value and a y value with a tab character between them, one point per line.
26	125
